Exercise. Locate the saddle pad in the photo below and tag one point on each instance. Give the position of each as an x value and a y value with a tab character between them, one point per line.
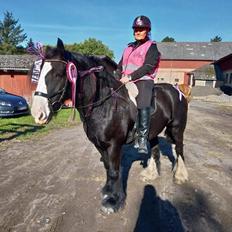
132	91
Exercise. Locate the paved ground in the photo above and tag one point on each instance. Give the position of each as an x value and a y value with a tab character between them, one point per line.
54	183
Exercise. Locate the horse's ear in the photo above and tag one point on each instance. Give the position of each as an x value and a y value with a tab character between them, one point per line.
60	44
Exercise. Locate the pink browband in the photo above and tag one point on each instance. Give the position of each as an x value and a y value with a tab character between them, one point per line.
71	72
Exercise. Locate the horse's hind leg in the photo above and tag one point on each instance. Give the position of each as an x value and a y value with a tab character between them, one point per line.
155	152
180	171
113	193
152	171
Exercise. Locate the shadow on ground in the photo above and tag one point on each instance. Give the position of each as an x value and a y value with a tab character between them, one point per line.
16	130
190	208
197	210
156	214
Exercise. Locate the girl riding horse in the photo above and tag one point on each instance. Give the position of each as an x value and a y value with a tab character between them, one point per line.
107	113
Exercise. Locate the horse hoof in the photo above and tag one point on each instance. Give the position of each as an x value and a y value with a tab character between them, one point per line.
180	180
105	196
180	172
111	204
108	205
107	210
147	175
180	177
151	172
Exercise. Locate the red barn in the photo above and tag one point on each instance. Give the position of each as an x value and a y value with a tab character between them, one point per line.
14	76
180	59
224	66
181	62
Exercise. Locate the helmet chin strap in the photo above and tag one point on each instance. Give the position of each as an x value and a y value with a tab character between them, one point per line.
143	40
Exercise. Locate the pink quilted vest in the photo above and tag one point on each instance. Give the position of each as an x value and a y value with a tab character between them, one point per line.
134	59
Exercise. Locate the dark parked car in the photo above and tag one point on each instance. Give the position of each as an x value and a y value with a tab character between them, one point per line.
12	105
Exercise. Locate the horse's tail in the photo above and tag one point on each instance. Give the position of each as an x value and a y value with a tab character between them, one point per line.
186	90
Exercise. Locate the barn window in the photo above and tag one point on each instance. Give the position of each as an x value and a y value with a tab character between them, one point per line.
226	78
176	80
209	83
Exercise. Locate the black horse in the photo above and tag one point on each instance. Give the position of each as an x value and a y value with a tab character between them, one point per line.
107	113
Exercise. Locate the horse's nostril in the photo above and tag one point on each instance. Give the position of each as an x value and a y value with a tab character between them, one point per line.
42	115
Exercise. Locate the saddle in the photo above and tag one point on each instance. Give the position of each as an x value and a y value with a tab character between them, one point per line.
133	92
184	90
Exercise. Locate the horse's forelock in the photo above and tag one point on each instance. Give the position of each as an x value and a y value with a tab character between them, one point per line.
52	53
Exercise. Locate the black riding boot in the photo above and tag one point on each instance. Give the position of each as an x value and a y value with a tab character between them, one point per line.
143	129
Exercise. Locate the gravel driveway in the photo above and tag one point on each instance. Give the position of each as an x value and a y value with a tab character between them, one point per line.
54	183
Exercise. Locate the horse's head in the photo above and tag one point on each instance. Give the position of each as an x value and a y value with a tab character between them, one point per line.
52	86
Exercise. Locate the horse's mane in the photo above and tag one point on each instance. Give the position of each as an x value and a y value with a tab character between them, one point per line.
86	62
105	79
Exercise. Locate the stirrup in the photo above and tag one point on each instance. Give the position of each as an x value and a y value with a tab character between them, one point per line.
143	150
142	146
136	142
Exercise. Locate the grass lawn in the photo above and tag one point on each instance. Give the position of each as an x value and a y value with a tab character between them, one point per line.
24	127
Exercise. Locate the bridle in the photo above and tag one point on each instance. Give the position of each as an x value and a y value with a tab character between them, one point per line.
56	105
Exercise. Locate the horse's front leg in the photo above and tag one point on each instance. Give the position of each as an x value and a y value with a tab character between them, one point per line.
113	193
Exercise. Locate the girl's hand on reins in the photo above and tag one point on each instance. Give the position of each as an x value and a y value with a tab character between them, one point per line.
125	79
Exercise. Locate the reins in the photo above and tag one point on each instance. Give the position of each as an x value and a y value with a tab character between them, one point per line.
81	74
99	102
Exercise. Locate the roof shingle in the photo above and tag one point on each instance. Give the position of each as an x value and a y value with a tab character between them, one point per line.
16	62
211	51
194	50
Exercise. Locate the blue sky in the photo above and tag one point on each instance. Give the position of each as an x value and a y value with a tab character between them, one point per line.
110	21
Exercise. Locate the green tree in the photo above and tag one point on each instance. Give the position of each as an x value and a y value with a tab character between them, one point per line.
216	39
30	43
168	39
11	35
90	46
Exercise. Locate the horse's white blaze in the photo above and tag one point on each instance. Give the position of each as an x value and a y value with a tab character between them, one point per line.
40	109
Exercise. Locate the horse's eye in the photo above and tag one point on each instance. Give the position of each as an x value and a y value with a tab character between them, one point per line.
57	75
